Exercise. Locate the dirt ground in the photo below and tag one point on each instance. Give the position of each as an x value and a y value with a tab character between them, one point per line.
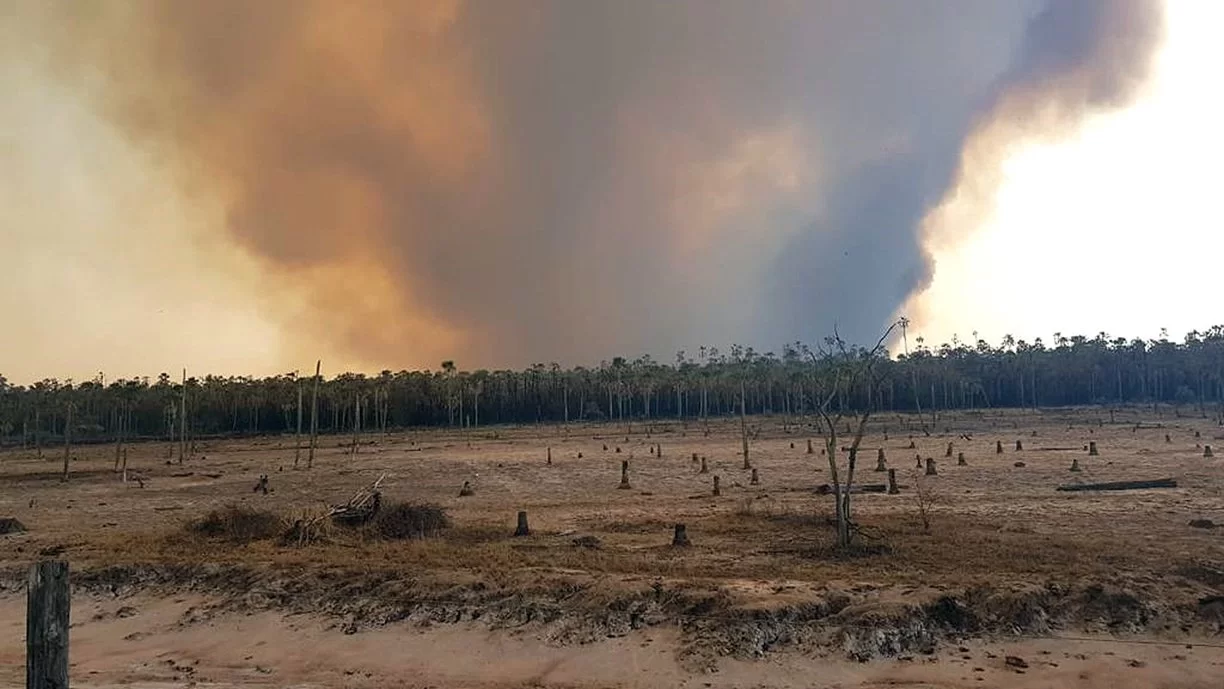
1008	566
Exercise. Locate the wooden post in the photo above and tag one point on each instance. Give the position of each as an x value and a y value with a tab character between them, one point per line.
755	480
314	415
930	467
680	539
717	491
624	484
521	529
47	612
1092	449
880	465
960	460
892	482
549	460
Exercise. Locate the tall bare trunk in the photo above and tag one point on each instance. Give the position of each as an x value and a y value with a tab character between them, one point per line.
297	436
183	420
314	415
744	424
67	441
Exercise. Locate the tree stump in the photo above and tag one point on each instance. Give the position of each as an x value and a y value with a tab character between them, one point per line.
704	468
521	529
261	486
680	538
912	446
717	481
1019	446
605	447
917	461
1207	452
948	452
549	461
1092	449
1197	434
466	490
579	455
694	457
1168	439
960	460
1075	464
792	446
658	449
652	450
892	482
998	447
618	449
880	466
809	450
624	484
755	480
930	467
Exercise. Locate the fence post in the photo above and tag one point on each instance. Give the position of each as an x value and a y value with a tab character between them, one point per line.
47	607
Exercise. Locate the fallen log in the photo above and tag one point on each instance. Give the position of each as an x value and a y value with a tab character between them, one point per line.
1122	485
826	489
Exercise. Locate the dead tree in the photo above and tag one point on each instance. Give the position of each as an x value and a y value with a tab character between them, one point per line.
847	370
314	416
67	441
297	436
183	419
744	424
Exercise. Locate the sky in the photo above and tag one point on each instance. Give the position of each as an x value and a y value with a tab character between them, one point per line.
242	188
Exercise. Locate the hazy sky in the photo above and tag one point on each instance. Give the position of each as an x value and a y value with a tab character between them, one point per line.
242	187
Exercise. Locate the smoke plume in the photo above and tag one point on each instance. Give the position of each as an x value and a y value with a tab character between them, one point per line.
508	182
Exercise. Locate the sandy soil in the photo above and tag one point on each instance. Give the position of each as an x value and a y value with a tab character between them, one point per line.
757	549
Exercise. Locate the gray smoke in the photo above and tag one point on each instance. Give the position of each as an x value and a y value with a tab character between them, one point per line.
508	182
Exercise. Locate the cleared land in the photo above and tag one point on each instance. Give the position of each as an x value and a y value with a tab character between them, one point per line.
1009	565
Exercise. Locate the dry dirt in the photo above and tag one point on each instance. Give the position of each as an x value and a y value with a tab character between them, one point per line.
1009	566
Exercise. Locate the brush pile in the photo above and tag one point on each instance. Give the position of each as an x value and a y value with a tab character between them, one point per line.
360	508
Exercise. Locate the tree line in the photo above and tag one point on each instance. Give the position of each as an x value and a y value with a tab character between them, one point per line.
957	375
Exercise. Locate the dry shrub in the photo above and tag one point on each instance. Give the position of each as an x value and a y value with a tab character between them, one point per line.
10	525
401	520
238	524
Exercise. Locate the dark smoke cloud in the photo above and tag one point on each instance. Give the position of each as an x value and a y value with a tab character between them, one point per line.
507	182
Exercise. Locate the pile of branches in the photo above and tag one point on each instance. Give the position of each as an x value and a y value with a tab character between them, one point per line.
360	508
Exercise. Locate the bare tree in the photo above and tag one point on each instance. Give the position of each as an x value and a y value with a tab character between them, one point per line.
314	415
297	436
846	369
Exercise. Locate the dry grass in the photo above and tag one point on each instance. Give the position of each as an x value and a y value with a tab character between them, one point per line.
994	521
